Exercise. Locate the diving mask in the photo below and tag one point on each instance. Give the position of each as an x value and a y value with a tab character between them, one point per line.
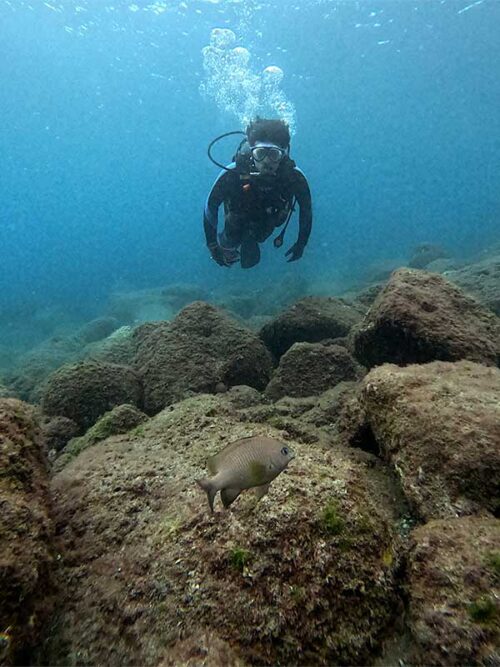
271	151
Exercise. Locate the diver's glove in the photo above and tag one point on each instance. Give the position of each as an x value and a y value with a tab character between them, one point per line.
223	256
295	251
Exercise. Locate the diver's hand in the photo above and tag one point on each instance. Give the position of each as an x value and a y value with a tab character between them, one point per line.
223	256
295	251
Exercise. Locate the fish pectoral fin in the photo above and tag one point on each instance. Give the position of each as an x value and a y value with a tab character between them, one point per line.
210	489
228	496
260	491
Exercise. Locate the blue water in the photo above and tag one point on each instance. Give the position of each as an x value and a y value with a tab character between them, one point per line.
103	136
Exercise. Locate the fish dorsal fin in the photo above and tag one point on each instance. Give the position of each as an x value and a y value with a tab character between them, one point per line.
214	462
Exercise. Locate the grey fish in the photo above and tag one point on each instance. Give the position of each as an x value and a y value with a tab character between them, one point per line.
245	464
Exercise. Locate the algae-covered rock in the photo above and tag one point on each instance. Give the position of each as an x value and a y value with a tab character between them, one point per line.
85	391
201	649
308	369
27	379
481	280
312	320
5	392
439	426
420	317
454	591
117	348
121	419
424	254
181	294
306	576
58	431
97	329
25	533
201	348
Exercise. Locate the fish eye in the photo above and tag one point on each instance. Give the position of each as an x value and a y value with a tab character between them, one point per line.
284	451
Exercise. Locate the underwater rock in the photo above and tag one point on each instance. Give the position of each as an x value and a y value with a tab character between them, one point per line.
311	320
481	280
121	419
58	431
265	301
245	306
308	369
353	427
26	533
380	270
424	254
131	308
200	348
5	392
201	649
442	265
438	424
242	396
97	329
118	348
421	317
312	567
86	390
182	294
28	377
453	592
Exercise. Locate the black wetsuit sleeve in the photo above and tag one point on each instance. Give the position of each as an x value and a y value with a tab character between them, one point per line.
303	196
215	198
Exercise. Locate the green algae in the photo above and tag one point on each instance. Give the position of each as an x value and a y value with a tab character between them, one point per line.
239	557
330	521
483	610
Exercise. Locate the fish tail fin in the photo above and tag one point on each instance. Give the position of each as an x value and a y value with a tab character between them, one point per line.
210	489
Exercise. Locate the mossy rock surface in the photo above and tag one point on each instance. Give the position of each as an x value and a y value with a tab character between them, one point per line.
311	319
84	391
198	351
121	419
420	317
454	592
438	425
147	571
26	555
308	369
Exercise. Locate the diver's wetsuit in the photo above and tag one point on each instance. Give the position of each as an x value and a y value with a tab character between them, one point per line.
254	205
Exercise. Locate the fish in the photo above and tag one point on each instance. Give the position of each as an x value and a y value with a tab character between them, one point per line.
247	463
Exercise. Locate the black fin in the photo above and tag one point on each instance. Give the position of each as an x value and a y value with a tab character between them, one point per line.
209	489
249	254
228	496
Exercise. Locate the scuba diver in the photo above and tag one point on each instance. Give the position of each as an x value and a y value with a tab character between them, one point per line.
259	190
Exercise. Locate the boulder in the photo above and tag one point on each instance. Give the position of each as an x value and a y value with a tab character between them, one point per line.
28	377
307	575
58	431
181	294
197	351
481	280
453	592
420	317
132	308
438	424
5	392
118	348
311	319
308	369
26	533
86	390
97	329
121	419
424	254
